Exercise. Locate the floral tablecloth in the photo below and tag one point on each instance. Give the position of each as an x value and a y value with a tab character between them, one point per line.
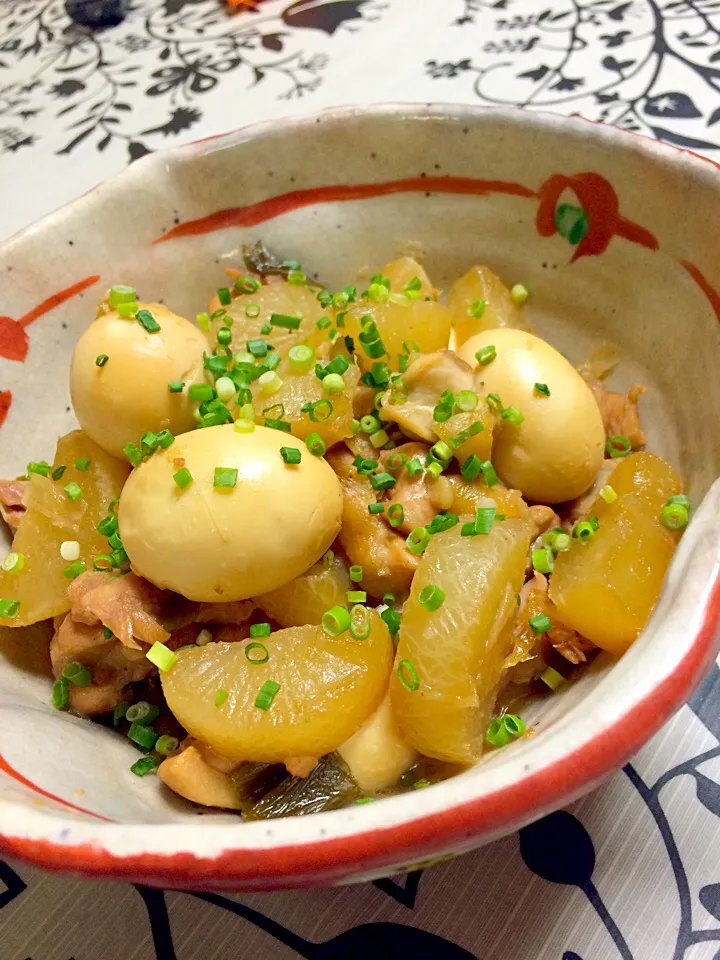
630	872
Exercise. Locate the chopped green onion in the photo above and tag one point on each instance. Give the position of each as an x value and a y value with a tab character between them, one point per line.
540	623
163	658
78	674
412	286
142	713
148	442
73	491
503	729
389	598
166	745
266	694
335	621
147	321
290	455
203	638
101	359
356	572
260	630
414	466
467	434
379	438
301	358
466	400
143	766
551	678
369	423
519	294
329	559
224	336
392	620
244	426
396	461
618	446
269	382
441	450
472	467
680	498
477	309
376	508
201	392
512	415
316	410
407	674
121	294
284	321
583	531
315	444
442	521
542	388
40	467
165	439
247	284
9	609
257	652
127	310
489	475
60	693
297	278
431	597
333	383
561	542
224	296
257	348
119	713
543	560
442	412
674	516
435	468
252	312
13	562
323	323
484	519
203	321
418	540
183	478
102	562
360	624
176	386
73	570
144	736
58	472
356	596
608	494
486	355
396	515
225	477
382	481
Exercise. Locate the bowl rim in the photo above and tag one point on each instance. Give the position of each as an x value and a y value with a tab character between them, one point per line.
184	854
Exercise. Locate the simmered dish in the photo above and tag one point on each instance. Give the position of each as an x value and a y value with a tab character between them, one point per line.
321	546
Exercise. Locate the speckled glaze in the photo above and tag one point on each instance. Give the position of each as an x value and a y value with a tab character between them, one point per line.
340	191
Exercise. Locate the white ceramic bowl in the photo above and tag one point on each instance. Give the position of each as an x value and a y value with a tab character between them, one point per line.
340	191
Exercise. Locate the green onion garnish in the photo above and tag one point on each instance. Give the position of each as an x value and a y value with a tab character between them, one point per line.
58	472
551	678
166	745
60	693
356	596
252	312
144	736
333	383
608	494
163	658
503	729
466	400
121	294
519	294
315	444
376	508
142	712
442	521
680	498
674	516
225	477
542	388
13	562
266	694
40	467
618	446
269	382
543	560
176	386
369	423
9	609
486	355
257	348
540	623
418	540
319	411
356	572
328	560
127	310
476	309
431	597
101	359
360	617
290	455
441	450
201	392
224	296
301	358
73	491
203	321
259	630
73	570
284	321
257	652
382	481
147	321
102	562
396	515
414	466
396	461
335	621
78	674
392	620
183	478
583	531
143	766
407	674
247	285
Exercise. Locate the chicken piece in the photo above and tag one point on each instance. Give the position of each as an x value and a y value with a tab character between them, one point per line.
111	664
211	758
190	776
414	494
426	379
567	642
12	502
388	566
235	612
300	766
127	605
580	508
620	414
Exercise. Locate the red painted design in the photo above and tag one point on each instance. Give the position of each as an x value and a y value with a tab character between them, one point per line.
700	280
255	213
5	402
600	202
13	338
12	772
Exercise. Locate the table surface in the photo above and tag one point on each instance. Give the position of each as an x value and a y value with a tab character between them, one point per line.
631	871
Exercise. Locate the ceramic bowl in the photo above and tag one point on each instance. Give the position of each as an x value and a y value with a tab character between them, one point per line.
341	191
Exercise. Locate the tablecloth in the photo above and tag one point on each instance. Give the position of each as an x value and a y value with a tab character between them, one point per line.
632	870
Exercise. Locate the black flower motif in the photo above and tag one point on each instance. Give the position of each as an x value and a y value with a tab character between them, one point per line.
182	118
66	88
11	139
192	75
437	70
134	43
